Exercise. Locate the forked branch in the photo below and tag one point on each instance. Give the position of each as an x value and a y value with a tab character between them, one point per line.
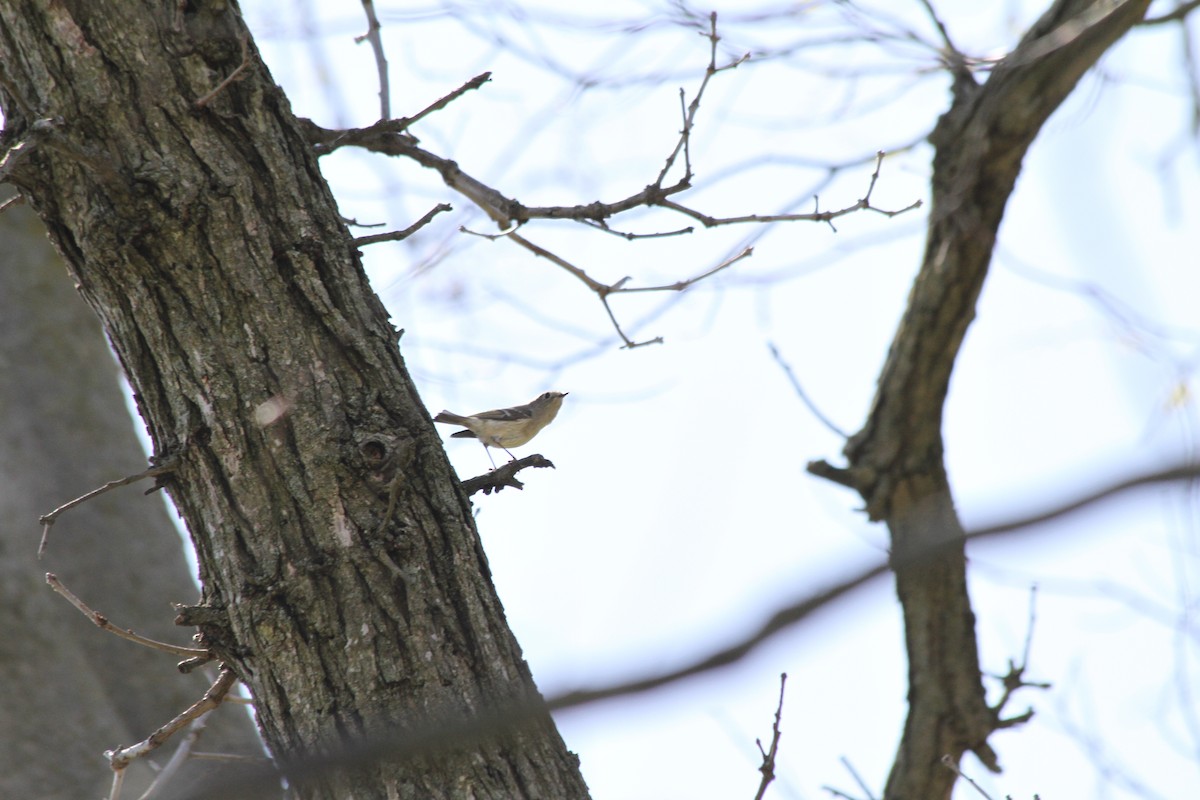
387	137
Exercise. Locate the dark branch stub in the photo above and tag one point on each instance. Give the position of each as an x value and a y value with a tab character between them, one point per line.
504	476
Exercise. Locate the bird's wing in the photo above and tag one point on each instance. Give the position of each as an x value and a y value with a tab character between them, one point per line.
506	414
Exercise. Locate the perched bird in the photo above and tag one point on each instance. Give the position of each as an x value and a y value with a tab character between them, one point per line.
506	427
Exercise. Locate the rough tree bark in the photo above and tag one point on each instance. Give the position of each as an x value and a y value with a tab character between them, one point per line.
897	460
343	577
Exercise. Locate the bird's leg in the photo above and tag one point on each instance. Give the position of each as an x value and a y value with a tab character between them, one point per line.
488	450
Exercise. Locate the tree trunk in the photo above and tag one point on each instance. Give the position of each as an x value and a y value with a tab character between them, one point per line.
897	459
343	578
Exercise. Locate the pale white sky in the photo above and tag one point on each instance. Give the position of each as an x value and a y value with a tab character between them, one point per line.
680	512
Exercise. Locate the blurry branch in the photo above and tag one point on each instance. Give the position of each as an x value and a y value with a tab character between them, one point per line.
955	60
1015	679
1176	14
385	137
804	398
768	754
1183	472
790	615
941	27
1177	474
948	762
381	65
448	727
15	200
862	785
39	132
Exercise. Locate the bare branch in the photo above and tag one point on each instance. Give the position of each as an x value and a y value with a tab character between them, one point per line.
509	215
1014	680
123	757
12	202
437	105
690	111
398	236
154	471
1176	14
804	398
38	133
102	622
503	476
182	753
601	225
679	286
768	766
1183	472
381	65
862	785
814	216
948	762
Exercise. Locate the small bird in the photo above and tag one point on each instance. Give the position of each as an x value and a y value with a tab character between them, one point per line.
506	427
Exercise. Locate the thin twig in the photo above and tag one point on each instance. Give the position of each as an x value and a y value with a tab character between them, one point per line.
114	792
38	133
804	398
398	236
768	766
11	202
679	286
862	785
124	756
102	622
47	520
689	112
601	225
437	105
1014	680
948	762
937	21
381	64
1174	15
1183	472
839	793
491	237
1032	620
244	38
177	759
